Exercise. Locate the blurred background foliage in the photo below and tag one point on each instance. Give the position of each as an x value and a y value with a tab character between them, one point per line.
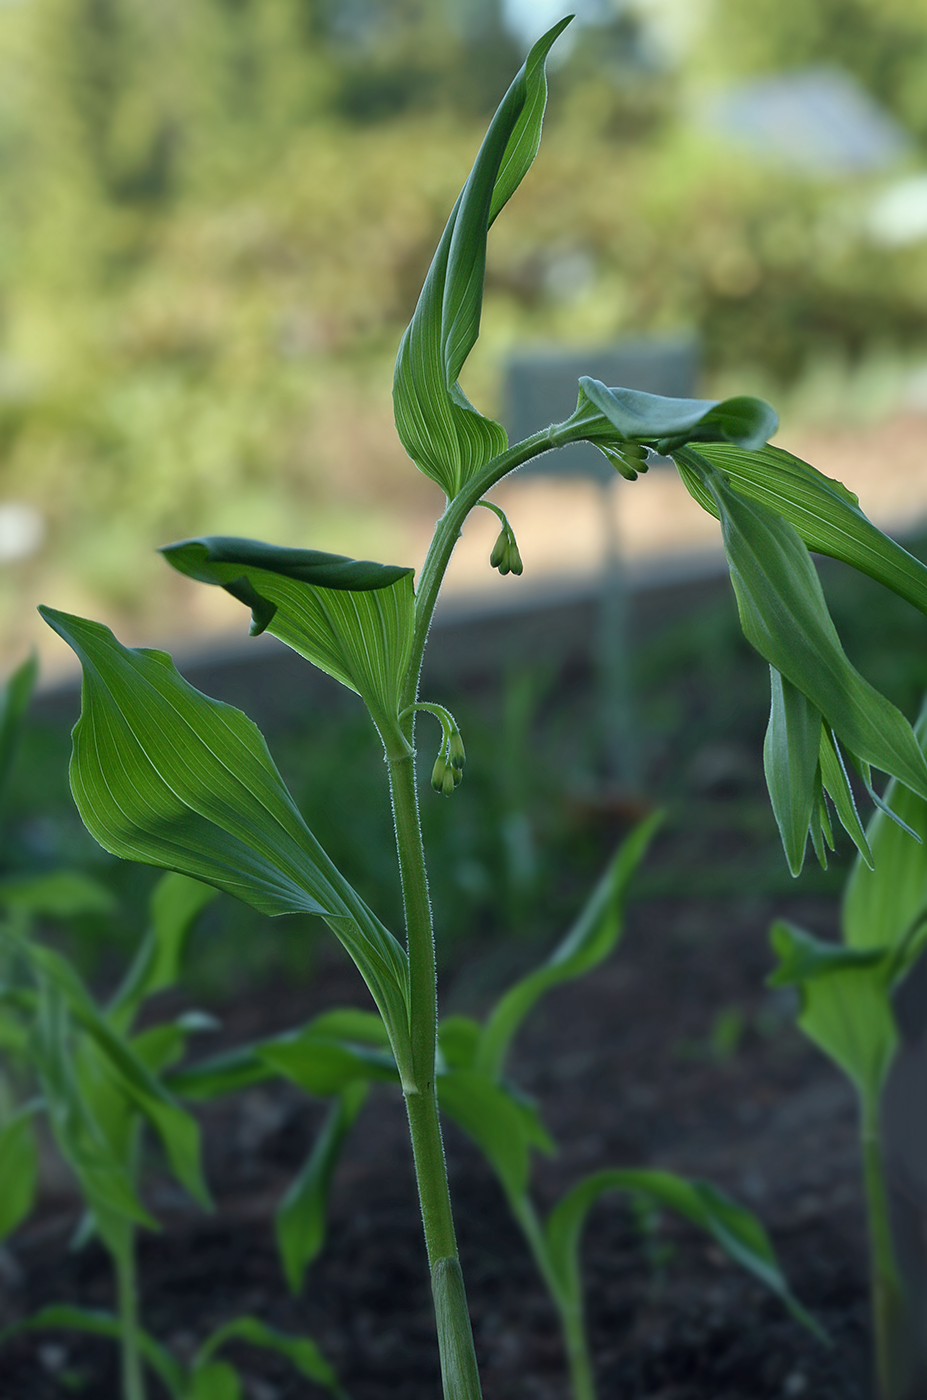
215	216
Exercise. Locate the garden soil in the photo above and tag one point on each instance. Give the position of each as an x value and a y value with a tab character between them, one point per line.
672	1054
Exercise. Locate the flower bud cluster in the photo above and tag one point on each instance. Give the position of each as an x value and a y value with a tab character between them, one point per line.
505	556
447	773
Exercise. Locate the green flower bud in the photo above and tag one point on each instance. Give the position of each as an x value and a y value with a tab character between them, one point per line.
456	752
449	781
499	550
439	773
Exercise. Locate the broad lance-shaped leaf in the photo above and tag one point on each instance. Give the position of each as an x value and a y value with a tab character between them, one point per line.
442	432
736	1230
784	615
846	1004
351	618
588	942
610	416
886	907
825	514
790	760
162	774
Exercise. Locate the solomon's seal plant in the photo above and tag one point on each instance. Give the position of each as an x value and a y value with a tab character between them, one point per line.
163	774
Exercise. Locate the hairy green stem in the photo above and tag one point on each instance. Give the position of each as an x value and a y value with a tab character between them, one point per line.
458	1357
888	1305
133	1378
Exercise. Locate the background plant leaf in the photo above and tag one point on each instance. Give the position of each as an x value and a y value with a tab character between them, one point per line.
300	1218
734	1228
590	940
18	1170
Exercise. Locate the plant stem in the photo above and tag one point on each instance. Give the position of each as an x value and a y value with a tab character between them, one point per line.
133	1379
888	1304
569	1303
458	1357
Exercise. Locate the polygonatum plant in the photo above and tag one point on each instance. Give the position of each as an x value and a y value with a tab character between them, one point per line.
162	774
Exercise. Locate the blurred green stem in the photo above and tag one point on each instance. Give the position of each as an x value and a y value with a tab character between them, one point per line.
133	1379
888	1304
568	1301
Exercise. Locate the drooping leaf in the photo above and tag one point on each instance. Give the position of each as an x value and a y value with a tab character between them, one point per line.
790	759
734	1228
18	1170
162	774
351	618
837	784
65	1317
301	1352
825	514
589	941
885	907
442	432
664	423
845	1003
15	695
300	1220
784	615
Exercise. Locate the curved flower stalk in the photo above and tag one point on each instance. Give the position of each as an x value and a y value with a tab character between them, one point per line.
165	775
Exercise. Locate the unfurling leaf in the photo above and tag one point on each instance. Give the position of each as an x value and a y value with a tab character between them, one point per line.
442	432
351	618
162	774
611	417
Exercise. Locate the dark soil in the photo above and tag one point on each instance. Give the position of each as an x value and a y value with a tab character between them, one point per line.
672	1054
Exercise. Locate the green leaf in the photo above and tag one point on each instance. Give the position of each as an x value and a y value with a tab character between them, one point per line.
835	781
736	1230
323	1067
665	423
845	1003
176	904
104	1181
442	432
164	775
60	894
459	1041
103	1324
784	615
301	1352
790	759
301	1215
15	696
217	1380
590	940
493	1120
18	1170
885	907
177	1130
353	619
825	514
